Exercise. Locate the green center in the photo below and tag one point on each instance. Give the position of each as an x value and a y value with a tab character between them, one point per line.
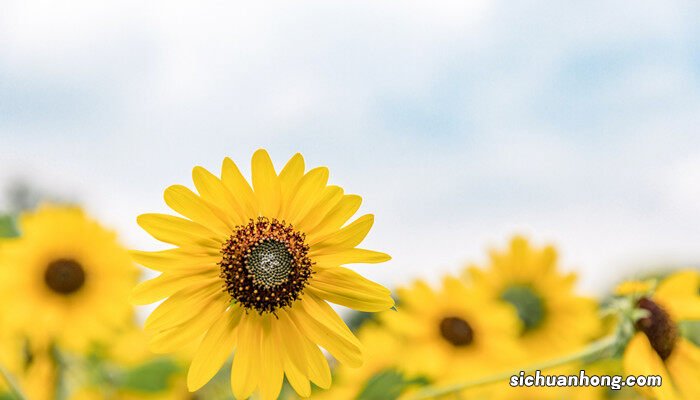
527	303
270	263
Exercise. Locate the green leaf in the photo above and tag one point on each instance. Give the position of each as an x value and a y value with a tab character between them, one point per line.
151	377
7	229
388	384
7	396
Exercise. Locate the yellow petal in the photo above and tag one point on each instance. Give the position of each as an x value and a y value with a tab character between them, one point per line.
177	308
294	360
346	238
329	198
352	256
682	283
175	230
289	178
285	326
234	181
319	371
175	260
337	216
679	293
175	338
317	321
186	203
299	382
166	284
641	359
245	372
684	366
266	184
213	191
215	348
307	355
347	288
307	193
271	372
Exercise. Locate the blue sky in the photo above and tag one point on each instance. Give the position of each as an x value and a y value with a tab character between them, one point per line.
460	123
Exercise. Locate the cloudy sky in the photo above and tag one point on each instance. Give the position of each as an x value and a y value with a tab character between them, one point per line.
460	123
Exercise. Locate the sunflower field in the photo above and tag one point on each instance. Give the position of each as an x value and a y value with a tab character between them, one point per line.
248	285
359	200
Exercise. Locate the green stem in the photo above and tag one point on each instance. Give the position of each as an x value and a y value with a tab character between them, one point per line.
592	351
11	384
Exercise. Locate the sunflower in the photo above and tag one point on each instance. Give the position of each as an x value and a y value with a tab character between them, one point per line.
452	334
553	318
658	346
65	281
253	270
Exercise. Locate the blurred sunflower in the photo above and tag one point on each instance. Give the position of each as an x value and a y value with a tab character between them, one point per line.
65	281
452	334
658	347
553	318
253	269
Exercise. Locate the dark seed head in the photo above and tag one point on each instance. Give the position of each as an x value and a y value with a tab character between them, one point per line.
659	328
64	276
265	265
456	331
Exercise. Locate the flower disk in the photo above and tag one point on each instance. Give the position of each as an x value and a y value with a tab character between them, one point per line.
265	265
67	279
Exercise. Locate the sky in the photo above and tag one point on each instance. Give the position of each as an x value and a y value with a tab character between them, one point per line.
460	123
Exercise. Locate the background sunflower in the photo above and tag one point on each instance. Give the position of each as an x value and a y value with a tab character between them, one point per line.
66	278
553	317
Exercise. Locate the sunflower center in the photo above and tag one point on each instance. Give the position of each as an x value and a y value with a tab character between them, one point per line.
269	262
658	327
265	265
64	276
456	331
528	304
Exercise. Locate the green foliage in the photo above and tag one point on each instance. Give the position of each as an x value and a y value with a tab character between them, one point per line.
388	384
7	230
7	396
152	377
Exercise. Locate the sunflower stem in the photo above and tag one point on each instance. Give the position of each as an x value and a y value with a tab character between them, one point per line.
589	353
11	384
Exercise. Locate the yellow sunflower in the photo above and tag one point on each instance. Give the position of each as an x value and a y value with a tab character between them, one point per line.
658	348
253	271
65	280
452	335
554	319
